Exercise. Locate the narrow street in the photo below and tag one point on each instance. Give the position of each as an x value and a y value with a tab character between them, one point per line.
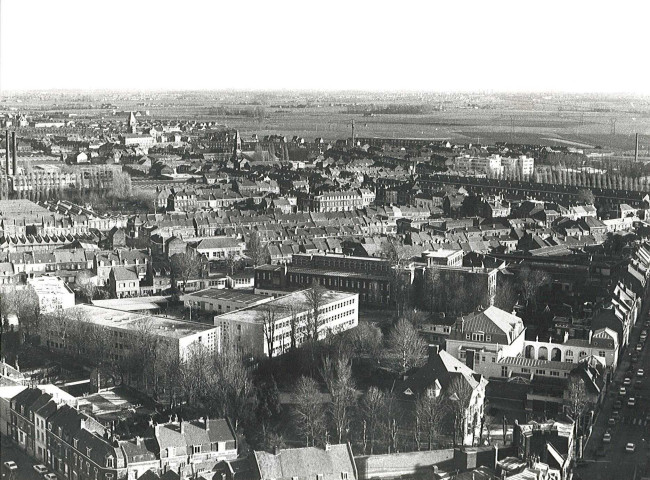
632	424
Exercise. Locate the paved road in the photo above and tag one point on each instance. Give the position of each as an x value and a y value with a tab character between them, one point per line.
633	424
25	464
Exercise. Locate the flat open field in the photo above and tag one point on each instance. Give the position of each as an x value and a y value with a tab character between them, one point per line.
562	120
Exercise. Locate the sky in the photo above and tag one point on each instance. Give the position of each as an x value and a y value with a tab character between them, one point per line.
455	45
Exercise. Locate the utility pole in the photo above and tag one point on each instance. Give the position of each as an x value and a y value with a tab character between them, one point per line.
636	147
353	133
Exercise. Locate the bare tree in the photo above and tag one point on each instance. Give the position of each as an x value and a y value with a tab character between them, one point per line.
338	378
530	282
586	196
308	410
405	347
315	297
294	327
232	384
255	249
391	415
184	266
506	297
121	185
430	410
233	263
25	305
459	394
268	318
366	339
85	285
577	400
372	406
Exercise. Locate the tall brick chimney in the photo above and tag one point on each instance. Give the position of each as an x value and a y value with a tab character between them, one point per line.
14	152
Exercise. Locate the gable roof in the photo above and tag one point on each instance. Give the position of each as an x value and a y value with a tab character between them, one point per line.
493	320
306	463
440	371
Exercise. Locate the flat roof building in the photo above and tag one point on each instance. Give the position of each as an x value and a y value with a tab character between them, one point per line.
251	328
177	334
53	293
221	301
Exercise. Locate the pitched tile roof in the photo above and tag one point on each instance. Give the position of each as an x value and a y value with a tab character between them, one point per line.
305	463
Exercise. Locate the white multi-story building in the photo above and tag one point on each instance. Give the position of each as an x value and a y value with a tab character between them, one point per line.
522	163
491	164
125	328
248	328
53	293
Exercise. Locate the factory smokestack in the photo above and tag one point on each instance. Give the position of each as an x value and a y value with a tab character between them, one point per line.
14	152
636	147
7	152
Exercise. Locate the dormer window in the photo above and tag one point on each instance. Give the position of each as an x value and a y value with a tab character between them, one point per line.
88	450
76	443
110	462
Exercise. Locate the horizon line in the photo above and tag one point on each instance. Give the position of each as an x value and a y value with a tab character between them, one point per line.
321	90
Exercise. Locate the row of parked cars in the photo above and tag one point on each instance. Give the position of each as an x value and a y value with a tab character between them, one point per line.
628	388
11	467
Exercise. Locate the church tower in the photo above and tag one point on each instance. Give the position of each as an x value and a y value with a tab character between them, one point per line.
132	123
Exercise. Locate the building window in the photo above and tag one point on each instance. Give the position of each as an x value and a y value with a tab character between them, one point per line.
504	371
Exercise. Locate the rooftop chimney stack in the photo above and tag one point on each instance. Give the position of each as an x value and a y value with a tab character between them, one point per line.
7	152
14	152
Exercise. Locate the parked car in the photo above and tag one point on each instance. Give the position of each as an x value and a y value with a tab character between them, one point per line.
622	391
611	421
631	402
40	469
615	414
627	381
630	447
11	466
50	476
639	347
639	372
607	437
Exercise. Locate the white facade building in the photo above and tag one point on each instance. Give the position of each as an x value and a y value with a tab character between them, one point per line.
53	293
247	328
178	335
